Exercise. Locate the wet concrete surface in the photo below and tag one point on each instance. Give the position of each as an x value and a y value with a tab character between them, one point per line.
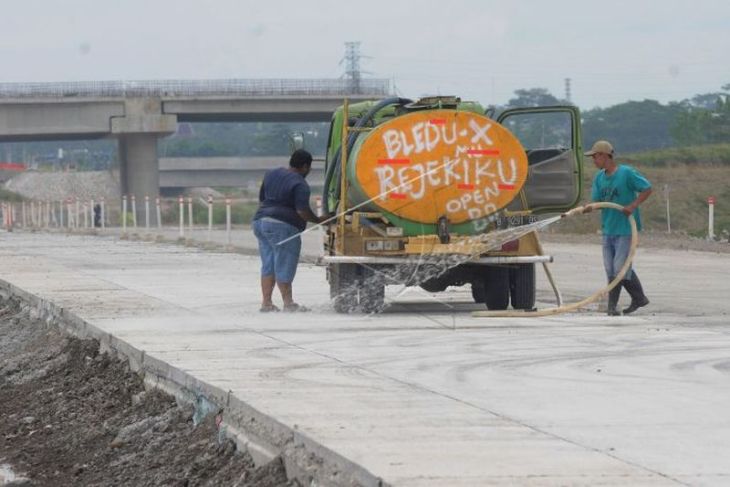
426	394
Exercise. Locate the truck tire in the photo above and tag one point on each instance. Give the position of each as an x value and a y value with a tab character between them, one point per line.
477	291
496	288
372	290
522	286
343	287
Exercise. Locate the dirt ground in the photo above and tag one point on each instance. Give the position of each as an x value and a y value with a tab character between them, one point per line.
73	416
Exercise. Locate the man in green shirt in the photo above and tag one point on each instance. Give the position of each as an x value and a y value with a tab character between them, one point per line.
625	186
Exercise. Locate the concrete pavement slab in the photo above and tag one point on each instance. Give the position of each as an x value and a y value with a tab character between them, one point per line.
425	394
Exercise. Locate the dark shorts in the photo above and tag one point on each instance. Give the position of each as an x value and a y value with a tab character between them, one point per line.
278	260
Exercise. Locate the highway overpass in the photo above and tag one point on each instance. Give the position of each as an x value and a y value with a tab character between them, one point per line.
138	113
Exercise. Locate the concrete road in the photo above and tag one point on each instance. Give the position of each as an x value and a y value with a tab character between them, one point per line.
426	394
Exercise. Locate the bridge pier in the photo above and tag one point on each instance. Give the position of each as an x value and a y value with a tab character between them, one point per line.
139	172
137	133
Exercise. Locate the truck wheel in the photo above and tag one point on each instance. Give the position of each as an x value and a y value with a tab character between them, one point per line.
496	288
372	290
343	287
477	291
522	286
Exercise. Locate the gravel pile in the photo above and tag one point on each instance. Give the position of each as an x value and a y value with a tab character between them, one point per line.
56	186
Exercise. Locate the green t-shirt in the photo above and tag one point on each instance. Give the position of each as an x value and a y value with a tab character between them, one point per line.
621	188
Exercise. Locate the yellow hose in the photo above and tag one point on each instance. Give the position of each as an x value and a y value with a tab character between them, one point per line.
566	308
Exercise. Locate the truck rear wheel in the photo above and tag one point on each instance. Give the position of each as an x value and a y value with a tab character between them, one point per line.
343	287
522	286
477	291
496	288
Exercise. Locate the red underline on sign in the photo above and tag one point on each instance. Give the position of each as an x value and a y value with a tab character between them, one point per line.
397	196
483	152
506	186
465	186
437	121
394	161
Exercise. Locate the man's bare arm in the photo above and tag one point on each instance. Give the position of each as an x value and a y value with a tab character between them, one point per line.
309	216
629	209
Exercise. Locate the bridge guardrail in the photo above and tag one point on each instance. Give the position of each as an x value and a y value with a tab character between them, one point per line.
220	87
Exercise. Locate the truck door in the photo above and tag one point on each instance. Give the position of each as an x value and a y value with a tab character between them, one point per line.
552	139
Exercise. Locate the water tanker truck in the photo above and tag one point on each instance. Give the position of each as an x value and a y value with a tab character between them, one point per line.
418	185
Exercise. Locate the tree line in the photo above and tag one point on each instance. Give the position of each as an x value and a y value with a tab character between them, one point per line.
636	126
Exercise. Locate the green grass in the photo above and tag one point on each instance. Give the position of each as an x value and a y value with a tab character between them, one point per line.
685	176
688	186
702	154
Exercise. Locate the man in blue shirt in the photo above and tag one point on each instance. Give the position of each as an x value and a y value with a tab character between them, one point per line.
282	215
625	186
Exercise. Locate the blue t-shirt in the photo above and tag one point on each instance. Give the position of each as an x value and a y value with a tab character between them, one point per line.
621	188
282	193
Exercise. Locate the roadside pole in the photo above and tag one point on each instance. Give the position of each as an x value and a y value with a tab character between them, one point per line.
190	215
124	215
159	213
181	204
711	218
147	214
210	216
228	221
134	212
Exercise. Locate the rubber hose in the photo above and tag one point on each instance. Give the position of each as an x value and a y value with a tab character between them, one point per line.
566	308
331	169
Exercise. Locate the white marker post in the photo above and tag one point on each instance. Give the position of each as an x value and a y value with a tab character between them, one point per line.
134	212
147	214
181	203
77	220
159	212
711	218
318	205
190	215
228	221
210	216
69	215
103	216
91	213
124	215
86	215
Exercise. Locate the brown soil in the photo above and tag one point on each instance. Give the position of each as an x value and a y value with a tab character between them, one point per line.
73	416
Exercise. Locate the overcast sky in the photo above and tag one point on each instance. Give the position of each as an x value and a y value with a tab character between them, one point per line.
478	49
